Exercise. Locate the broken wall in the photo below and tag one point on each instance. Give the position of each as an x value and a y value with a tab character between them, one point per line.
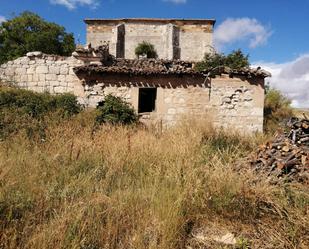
229	102
43	73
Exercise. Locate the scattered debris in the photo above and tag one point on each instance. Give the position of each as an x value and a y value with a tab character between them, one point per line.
287	156
211	236
228	239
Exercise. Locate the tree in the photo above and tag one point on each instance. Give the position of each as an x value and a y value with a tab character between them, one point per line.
29	32
147	49
234	60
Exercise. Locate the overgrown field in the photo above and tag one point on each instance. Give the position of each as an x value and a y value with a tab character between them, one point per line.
87	186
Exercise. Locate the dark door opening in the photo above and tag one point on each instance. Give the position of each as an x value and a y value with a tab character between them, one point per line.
147	99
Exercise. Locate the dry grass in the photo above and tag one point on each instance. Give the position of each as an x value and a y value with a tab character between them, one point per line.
121	187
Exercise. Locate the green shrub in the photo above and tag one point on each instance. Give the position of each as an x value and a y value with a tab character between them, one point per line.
26	110
67	104
147	49
37	105
234	60
116	111
277	109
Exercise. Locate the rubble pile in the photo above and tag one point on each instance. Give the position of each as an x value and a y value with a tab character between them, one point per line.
287	156
91	55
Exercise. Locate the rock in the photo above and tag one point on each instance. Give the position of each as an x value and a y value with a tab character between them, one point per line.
96	63
34	54
74	54
228	239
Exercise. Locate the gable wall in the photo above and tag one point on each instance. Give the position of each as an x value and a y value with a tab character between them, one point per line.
191	41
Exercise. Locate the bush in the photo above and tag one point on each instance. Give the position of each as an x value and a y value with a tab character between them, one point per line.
277	109
66	104
234	60
116	111
26	110
147	49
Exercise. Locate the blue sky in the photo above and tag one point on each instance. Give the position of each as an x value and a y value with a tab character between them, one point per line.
273	32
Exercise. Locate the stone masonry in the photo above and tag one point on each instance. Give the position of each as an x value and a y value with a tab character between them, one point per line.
231	101
184	39
228	102
43	73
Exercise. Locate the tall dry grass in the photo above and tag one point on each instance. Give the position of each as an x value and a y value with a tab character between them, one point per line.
122	187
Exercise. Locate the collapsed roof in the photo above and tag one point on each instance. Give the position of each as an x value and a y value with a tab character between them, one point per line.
164	67
99	61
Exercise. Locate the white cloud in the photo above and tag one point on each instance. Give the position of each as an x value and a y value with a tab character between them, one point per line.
72	4
2	19
241	29
176	1
292	78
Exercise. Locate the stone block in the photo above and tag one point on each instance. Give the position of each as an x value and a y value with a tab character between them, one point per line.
54	69
40	61
32	84
35	77
16	78
41	83
42	69
31	70
64	70
61	78
71	78
59	89
24	78
54	83
24	60
51	76
257	111
34	54
42	77
10	71
20	70
171	111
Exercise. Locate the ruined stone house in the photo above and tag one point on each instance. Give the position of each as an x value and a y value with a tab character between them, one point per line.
162	91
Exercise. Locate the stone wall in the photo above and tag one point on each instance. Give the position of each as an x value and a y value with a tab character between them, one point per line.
238	102
195	41
174	40
98	34
43	73
229	102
